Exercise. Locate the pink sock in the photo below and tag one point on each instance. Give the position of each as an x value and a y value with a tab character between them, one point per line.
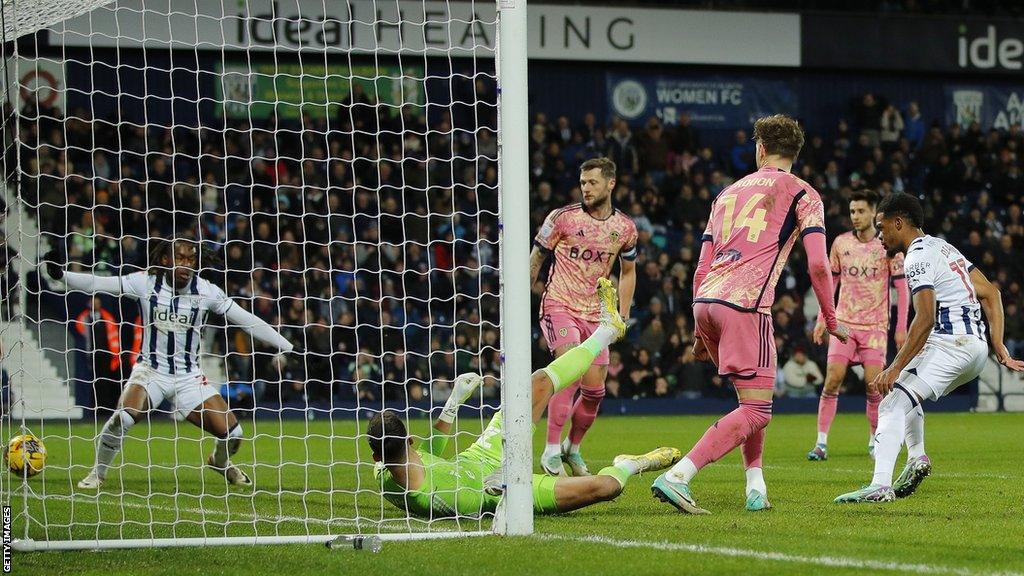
874	398
730	431
827	411
559	408
584	412
753	448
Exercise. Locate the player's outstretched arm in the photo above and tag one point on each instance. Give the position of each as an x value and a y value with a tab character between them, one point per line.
992	303
52	266
920	328
257	327
462	389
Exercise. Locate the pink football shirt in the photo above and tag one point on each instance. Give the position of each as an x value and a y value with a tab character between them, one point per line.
585	249
864	273
753	226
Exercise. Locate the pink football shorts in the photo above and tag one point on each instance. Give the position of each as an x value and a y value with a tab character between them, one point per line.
561	327
866	347
741	343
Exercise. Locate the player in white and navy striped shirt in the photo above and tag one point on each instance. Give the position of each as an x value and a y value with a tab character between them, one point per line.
946	345
175	302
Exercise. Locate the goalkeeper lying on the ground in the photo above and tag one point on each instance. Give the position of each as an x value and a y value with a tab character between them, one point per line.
428	485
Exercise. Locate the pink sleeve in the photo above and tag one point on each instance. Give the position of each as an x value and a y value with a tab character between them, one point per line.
902	303
821	276
703	265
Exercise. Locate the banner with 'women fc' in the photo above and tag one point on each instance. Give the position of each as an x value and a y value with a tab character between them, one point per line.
712	101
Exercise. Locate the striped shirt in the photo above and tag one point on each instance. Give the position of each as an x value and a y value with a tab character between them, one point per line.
173	320
932	263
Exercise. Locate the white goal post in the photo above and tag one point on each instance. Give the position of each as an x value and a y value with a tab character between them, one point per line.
356	174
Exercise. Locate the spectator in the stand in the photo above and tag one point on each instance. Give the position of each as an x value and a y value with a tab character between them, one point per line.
801	375
685	135
891	128
933	146
642	375
653	146
868	118
915	129
653	337
1014	328
662	388
101	335
622	150
741	155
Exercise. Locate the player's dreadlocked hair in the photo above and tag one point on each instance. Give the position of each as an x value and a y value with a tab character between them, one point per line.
387	436
160	248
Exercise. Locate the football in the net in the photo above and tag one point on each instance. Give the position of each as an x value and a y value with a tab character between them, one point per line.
25	455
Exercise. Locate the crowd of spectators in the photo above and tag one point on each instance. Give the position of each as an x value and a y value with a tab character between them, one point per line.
970	180
372	239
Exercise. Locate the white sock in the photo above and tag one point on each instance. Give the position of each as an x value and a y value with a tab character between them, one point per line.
552	450
892	420
915	433
109	442
225	448
755	481
568	448
683	471
574	448
606	335
822	437
632	467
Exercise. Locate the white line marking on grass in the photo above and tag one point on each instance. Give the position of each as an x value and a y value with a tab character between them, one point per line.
830	561
248	516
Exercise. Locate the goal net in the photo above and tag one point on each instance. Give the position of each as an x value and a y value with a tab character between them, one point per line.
338	163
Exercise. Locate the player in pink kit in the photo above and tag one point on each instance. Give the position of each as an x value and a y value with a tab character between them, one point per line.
753	226
586	239
863	271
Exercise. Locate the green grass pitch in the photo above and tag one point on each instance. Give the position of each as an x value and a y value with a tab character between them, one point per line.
965	519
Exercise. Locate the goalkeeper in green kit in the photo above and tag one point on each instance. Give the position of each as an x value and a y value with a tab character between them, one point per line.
426	484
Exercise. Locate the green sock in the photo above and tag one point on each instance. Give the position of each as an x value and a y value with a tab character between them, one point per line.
615	472
569	367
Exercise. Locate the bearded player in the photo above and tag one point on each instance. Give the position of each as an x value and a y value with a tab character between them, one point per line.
425	483
945	348
753	226
175	302
586	239
863	271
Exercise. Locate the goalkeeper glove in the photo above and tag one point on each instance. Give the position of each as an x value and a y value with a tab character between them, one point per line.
463	388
